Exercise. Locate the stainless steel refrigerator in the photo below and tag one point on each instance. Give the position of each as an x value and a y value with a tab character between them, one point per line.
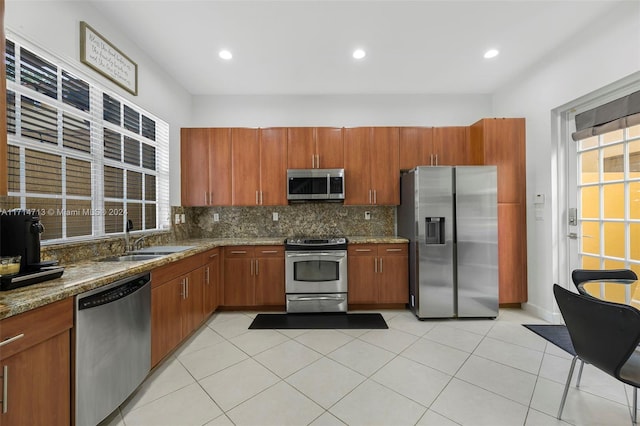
450	216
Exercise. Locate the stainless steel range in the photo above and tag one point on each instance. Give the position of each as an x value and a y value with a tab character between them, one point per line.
316	274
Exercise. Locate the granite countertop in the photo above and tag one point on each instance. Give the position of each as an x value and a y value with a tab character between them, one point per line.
92	273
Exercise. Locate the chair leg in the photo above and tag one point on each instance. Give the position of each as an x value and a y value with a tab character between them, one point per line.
580	373
566	386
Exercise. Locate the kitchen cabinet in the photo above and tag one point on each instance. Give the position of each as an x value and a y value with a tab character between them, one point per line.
211	296
258	166
315	148
501	142
254	276
35	364
205	155
415	147
451	146
176	304
378	273
372	172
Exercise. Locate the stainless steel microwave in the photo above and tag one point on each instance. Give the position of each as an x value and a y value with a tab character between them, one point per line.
315	184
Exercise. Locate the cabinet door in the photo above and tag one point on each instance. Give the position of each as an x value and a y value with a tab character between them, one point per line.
270	281
166	319
512	262
329	148
357	168
362	273
451	146
192	304
39	384
301	148
211	281
219	171
238	276
415	147
393	269
273	167
385	169
245	167
194	167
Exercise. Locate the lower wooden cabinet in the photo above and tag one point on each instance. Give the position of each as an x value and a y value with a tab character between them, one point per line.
177	307
378	273
211	296
35	364
254	276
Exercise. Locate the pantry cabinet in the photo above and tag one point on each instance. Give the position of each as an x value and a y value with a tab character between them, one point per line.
254	276
205	155
259	166
501	142
315	148
35	365
372	172
177	309
378	273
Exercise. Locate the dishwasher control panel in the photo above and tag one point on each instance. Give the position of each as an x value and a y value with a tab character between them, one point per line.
113	294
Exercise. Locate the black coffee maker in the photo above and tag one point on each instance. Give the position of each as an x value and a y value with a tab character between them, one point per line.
20	235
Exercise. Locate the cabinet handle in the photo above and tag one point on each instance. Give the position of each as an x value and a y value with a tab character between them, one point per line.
205	198
436	159
367	250
11	339
369	196
238	252
317	161
182	293
211	256
268	251
313	161
251	267
431	158
261	202
396	249
257	267
207	275
380	265
375	265
375	196
256	197
210	198
5	387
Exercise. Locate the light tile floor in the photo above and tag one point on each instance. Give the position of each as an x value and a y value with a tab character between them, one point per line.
450	372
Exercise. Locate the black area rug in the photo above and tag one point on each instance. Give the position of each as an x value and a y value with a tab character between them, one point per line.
556	334
318	321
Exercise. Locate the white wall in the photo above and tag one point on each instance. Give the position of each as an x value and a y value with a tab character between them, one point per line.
339	110
54	26
605	52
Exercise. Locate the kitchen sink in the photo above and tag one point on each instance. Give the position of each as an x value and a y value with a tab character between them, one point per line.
132	257
160	250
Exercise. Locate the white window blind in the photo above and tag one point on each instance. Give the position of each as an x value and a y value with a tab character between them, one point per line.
81	156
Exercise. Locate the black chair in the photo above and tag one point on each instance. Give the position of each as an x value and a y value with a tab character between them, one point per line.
605	335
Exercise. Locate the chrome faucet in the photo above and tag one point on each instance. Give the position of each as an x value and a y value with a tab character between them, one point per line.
138	244
128	227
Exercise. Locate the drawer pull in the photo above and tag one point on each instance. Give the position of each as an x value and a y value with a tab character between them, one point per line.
213	255
11	339
395	249
269	251
238	252
5	382
367	250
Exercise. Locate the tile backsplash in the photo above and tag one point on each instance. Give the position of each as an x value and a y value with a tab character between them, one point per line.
308	219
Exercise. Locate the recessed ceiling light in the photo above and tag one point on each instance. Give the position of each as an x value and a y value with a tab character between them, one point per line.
225	54
491	53
359	54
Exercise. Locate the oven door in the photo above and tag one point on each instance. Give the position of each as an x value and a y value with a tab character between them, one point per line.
316	271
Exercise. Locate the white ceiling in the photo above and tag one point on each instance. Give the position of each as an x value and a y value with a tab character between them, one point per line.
303	47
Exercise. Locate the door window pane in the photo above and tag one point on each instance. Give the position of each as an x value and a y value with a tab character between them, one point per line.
613	194
611	137
590	236
613	163
614	239
589	168
590	202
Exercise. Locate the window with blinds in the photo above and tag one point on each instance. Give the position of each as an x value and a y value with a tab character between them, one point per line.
82	157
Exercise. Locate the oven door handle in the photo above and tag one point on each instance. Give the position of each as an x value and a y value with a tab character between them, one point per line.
311	298
315	253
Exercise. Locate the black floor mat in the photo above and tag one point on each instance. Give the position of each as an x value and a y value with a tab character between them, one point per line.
318	321
556	334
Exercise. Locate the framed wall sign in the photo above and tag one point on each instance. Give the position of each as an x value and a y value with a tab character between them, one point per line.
98	53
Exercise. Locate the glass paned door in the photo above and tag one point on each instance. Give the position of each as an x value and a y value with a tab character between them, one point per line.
608	200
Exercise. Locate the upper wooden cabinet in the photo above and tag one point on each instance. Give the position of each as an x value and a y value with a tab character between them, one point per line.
416	147
501	142
451	146
315	148
258	166
371	162
205	158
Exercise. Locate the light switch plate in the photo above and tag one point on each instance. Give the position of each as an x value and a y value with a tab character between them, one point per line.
216	217
177	219
275	216
367	215
182	218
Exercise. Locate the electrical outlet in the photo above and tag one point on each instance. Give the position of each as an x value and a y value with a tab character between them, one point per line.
177	219
183	219
275	216
216	217
367	215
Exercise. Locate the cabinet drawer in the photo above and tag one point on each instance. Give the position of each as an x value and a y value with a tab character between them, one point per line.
269	251
174	269
362	250
238	252
209	256
393	249
35	326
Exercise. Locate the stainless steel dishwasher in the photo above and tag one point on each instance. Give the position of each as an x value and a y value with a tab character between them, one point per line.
113	346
